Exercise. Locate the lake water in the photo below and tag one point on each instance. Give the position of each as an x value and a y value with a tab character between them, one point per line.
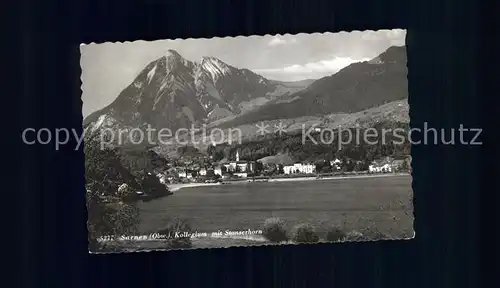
351	203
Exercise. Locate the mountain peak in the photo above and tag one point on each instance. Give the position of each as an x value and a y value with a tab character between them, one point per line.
214	66
209	58
214	61
173	53
173	60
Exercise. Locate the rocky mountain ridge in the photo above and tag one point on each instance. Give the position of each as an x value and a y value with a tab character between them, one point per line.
172	92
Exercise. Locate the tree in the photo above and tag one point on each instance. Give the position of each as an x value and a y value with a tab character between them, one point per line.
281	169
125	191
304	233
319	167
211	150
210	173
348	166
108	218
108	214
156	160
152	186
404	166
326	169
177	226
274	230
360	166
258	167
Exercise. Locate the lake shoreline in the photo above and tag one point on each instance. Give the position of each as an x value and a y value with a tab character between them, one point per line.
337	177
177	187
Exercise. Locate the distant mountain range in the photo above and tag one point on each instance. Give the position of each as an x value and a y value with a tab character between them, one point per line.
357	87
172	92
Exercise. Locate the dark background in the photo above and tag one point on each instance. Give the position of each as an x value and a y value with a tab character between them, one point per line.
50	235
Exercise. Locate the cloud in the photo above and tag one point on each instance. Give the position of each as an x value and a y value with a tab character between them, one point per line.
309	70
109	67
393	37
276	40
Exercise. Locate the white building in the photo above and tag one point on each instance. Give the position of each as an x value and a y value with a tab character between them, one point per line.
241	174
162	178
182	174
289	169
299	168
240	166
218	171
379	168
336	164
230	166
203	172
308	168
336	161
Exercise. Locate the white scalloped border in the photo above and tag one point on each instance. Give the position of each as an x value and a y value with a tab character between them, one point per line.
263	245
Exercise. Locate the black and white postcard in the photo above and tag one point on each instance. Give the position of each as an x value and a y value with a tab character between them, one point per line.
244	141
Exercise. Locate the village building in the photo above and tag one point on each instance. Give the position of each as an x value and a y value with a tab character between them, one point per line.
243	167
299	168
181	173
230	166
162	178
202	172
218	170
239	166
379	168
336	164
382	166
241	174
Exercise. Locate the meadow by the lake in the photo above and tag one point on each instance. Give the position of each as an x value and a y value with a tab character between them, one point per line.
382	204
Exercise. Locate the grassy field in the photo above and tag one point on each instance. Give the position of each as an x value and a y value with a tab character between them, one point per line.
383	204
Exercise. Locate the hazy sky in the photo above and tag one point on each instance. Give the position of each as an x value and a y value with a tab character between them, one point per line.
108	68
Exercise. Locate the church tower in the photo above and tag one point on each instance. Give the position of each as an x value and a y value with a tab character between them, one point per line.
237	156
